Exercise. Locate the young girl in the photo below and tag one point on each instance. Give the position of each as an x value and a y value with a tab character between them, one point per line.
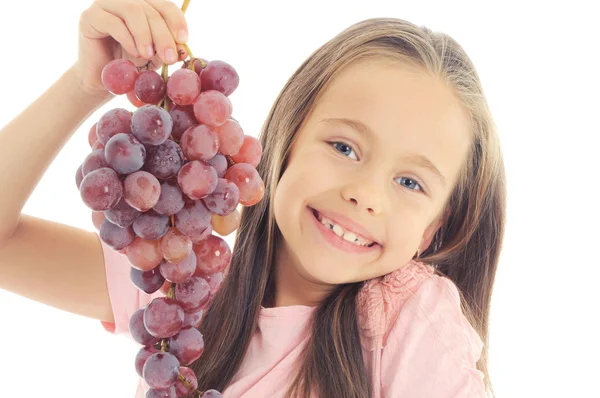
366	270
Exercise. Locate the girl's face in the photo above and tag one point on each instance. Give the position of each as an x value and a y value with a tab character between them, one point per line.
374	162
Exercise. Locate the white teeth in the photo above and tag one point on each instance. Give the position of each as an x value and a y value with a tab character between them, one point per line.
339	231
349	236
346	235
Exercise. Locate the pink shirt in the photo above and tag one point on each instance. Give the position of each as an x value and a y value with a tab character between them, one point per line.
415	338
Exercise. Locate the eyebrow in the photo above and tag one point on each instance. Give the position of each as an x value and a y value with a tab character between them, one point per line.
418	159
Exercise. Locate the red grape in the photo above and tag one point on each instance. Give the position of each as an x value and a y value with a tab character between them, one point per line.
212	108
183	87
164	160
187	345
219	162
113	122
150	87
143	354
224	199
212	394
176	247
121	214
197	65
79	176
192	294
246	178
183	118
193	319
144	254
119	76
179	271
147	281
199	143
197	179
124	153
193	219
226	225
138	330
141	190
135	101
170	392
161	370
231	137
116	237
94	161
151	124
101	189
92	136
98	145
250	152
220	76
171	198
190	377
151	225
163	317
212	255
97	219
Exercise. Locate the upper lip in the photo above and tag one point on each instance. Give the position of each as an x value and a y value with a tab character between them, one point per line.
348	224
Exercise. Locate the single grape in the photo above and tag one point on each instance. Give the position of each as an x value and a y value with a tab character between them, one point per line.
180	271
92	136
144	353
250	152
220	76
212	255
192	294
138	330
175	246
248	181
161	370
187	345
101	189
193	219
124	153
200	143
212	108
183	118
219	163
151	225
170	200
144	254
141	190
164	160
121	214
163	317
227	224
214	281
183	87
135	101
212	394
119	75
79	176
193	319
116	237
224	199
147	281
113	122
151	124
170	392
231	137
190	377
94	161
150	87
197	179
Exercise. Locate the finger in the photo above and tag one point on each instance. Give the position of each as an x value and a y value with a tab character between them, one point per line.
164	43
174	18
134	16
98	24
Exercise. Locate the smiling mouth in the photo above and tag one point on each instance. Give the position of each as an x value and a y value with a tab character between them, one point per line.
342	233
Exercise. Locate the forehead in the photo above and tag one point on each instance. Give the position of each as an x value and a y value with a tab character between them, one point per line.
407	111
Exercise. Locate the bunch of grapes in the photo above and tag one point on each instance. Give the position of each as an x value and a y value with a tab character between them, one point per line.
160	180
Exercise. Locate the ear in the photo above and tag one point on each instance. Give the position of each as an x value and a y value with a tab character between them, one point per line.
432	229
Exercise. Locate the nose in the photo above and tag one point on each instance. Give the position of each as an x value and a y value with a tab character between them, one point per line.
364	196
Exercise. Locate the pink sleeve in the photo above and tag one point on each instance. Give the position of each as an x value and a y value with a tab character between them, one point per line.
432	349
125	297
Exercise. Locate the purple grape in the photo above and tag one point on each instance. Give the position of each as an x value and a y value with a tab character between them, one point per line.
193	319
121	214
101	189
187	345
94	161
79	176
170	392
113	122
183	118
224	199
190	377
147	281
116	237
193	219
180	271
141	190
220	76
151	225
171	198
124	153
138	330
193	294
151	124
164	160
143	354
219	163
163	317
161	370
150	87
212	394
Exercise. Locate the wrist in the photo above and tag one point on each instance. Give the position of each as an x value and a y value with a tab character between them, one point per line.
80	95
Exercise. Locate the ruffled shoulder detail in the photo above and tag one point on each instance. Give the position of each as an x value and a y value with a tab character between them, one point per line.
380	300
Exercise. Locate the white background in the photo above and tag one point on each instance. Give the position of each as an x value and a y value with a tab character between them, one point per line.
539	66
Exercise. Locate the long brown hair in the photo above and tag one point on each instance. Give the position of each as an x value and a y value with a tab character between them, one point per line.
465	249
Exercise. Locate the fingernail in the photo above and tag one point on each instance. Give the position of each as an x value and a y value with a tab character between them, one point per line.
170	55
136	53
182	36
150	51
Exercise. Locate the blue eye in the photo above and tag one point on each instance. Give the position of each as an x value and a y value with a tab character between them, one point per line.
411	183
343	148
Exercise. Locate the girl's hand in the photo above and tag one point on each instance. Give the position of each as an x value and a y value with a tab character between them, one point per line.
138	30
